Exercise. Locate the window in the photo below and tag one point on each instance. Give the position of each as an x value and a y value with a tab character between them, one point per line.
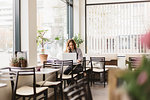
70	18
52	16
6	31
117	27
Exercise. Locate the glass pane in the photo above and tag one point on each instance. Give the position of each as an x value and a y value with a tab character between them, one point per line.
117	28
52	16
6	31
108	1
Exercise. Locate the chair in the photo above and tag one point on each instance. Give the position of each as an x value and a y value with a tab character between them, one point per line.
78	91
62	76
5	76
98	66
26	91
86	70
81	74
133	62
51	84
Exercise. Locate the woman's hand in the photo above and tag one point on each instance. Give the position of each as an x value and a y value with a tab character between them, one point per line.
78	61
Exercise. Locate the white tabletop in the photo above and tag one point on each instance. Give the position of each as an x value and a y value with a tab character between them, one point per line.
46	71
42	71
111	66
3	85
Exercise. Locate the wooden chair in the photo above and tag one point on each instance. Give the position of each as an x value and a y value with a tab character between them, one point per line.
26	91
98	66
78	91
52	84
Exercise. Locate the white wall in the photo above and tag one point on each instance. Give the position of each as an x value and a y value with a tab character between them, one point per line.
29	30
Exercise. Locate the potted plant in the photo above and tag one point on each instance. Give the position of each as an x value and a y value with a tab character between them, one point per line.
14	62
41	41
22	62
78	40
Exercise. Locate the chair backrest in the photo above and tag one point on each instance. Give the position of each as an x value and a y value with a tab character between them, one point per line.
20	71
57	64
6	75
78	91
84	63
98	61
64	63
133	61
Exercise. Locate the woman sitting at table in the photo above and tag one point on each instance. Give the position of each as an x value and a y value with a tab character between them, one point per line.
71	48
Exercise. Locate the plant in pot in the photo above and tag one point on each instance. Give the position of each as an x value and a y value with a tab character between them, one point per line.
78	40
22	62
41	41
14	62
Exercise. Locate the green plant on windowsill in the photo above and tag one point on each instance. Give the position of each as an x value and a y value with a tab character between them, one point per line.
78	40
41	40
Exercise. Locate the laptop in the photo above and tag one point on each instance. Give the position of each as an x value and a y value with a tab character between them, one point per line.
70	56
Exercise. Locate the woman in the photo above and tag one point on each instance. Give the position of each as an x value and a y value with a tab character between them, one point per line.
71	48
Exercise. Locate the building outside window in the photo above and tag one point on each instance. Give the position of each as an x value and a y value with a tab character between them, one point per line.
52	16
6	31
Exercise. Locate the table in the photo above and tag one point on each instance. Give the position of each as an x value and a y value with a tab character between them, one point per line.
3	85
46	71
42	71
111	66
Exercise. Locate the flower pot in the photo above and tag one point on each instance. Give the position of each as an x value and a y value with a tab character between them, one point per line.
43	57
23	63
14	64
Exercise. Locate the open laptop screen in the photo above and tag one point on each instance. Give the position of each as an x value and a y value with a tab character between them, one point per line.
70	56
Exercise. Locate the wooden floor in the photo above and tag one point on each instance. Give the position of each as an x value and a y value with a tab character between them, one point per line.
98	92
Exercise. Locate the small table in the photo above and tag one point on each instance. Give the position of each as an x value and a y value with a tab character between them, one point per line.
46	71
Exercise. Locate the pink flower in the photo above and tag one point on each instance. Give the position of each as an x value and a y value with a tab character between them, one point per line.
142	78
146	39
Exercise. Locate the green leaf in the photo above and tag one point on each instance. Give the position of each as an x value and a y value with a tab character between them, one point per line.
77	39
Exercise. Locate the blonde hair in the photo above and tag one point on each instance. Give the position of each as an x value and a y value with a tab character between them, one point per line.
70	41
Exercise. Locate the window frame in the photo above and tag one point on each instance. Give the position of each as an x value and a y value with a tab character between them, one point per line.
17	26
70	18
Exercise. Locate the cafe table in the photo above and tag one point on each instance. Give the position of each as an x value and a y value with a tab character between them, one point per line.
3	85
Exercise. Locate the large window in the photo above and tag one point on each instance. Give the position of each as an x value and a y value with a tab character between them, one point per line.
6	31
117	27
52	16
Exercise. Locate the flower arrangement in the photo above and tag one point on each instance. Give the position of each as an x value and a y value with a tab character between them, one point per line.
138	81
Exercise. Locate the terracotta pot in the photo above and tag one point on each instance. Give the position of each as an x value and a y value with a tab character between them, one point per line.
14	64
43	57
